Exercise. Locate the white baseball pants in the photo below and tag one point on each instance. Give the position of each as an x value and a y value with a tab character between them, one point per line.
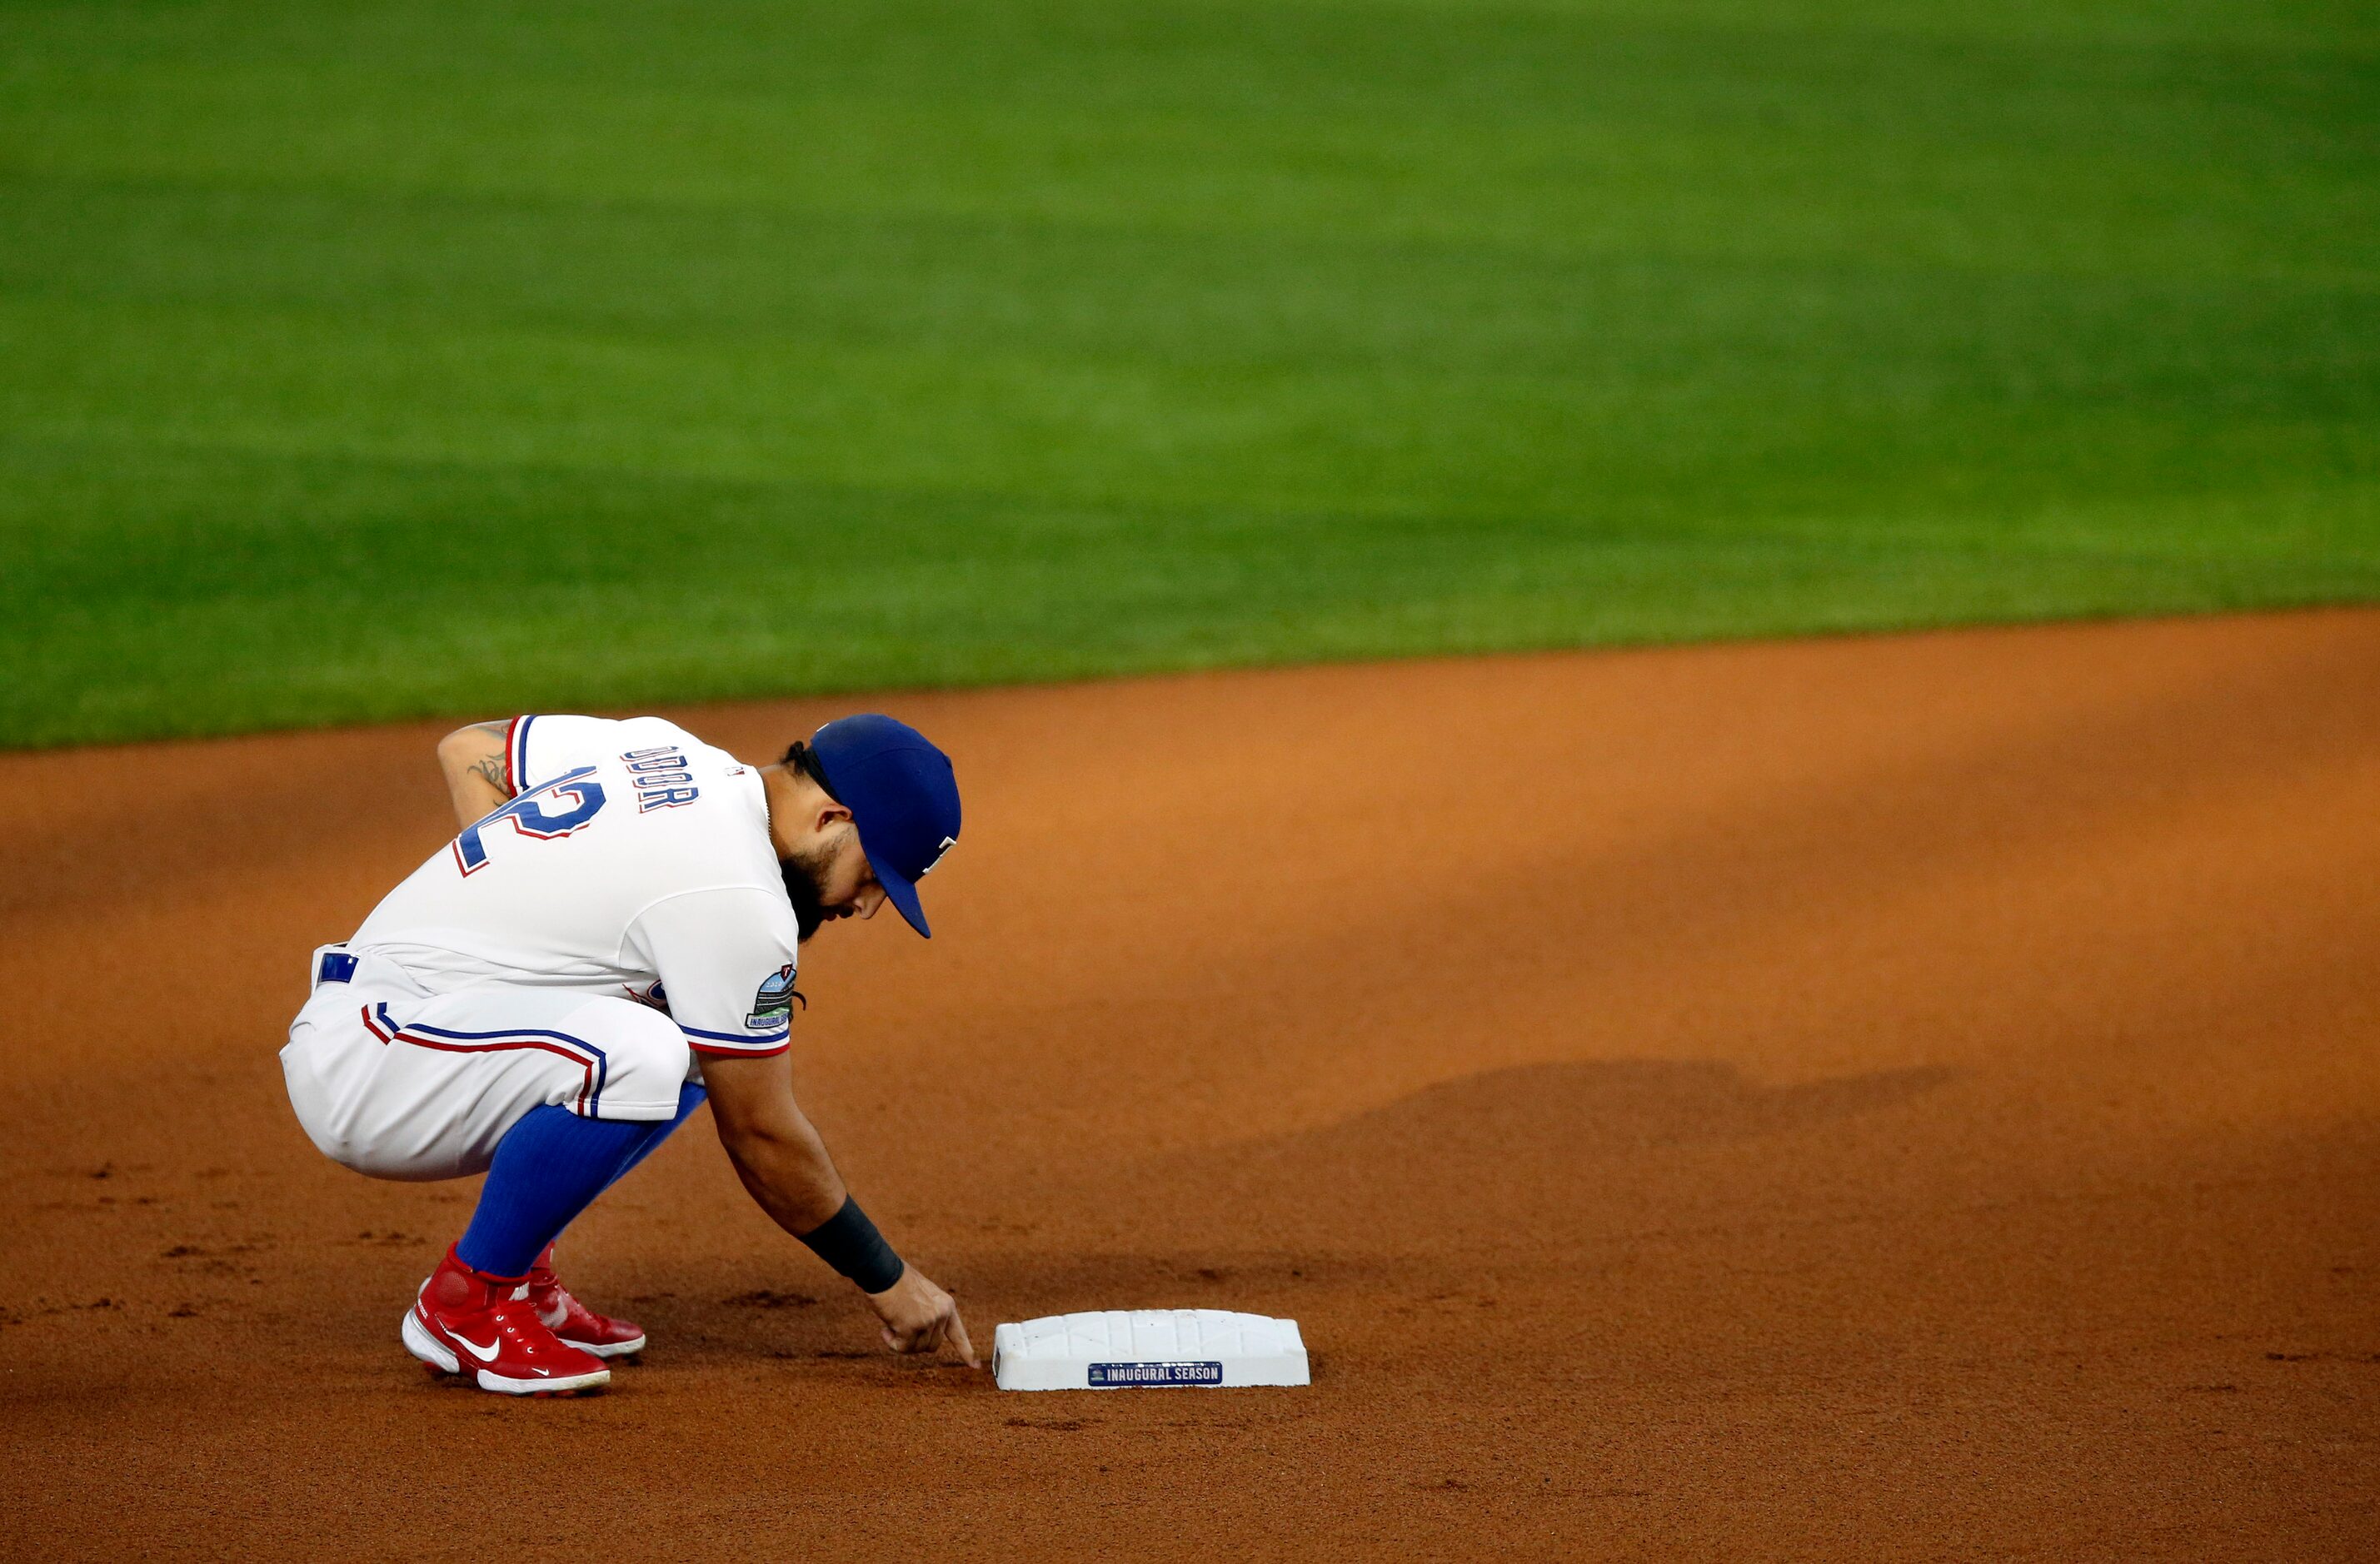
394	1081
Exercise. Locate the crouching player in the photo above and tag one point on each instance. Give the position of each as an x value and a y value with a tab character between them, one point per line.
612	935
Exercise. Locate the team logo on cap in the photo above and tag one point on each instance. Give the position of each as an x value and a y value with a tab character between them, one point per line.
940	852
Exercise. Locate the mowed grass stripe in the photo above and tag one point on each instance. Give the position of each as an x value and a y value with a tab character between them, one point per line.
833	584
400	358
1678	449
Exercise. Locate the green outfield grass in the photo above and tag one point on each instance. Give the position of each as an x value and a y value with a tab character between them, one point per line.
372	359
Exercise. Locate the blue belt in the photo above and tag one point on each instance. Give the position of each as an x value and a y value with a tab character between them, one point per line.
337	968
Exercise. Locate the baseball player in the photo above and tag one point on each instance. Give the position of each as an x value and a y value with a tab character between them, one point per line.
613	934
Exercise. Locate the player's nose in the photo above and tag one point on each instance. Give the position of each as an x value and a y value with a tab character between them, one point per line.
870	898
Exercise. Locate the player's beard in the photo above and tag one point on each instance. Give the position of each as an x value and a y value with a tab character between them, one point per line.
803	874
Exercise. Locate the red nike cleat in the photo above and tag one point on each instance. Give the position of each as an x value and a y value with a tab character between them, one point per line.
485	1328
574	1321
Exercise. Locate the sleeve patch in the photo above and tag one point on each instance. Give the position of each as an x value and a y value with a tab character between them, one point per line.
772	1006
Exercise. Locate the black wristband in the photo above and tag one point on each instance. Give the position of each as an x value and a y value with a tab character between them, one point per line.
849	1242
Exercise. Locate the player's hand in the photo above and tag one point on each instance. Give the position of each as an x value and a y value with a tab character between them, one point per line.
919	1317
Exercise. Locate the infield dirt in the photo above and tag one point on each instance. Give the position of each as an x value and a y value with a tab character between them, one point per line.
1884	1097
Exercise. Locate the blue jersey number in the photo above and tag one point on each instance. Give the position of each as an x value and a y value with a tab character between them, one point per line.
530	816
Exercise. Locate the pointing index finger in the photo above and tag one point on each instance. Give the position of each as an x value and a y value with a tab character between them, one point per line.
959	1335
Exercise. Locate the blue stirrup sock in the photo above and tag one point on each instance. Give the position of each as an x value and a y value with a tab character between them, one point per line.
550	1166
688	1100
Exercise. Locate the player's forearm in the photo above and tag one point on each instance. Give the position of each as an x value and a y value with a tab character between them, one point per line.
788	1173
784	1166
472	761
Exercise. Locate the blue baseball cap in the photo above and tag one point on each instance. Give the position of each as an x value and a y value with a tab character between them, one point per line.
903	797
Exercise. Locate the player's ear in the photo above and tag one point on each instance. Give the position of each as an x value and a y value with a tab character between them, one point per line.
830	815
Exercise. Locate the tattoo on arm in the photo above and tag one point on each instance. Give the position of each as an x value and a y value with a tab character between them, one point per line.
475	751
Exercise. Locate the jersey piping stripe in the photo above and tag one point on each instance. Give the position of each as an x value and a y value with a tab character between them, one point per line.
516	752
597	1068
713	1050
778	1035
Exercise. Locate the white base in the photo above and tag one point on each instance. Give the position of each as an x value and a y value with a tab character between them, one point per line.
1121	1349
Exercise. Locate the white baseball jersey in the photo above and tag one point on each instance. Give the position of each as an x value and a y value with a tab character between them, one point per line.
632	861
